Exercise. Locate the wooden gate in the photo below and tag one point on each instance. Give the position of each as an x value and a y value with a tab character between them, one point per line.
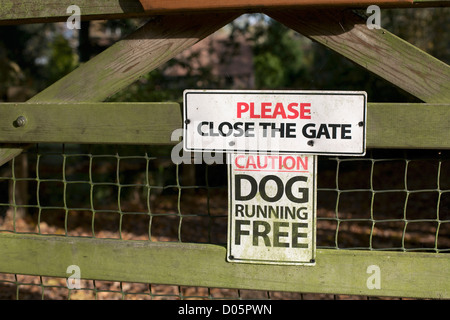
71	111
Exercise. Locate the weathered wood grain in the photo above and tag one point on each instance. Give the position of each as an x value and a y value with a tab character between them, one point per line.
402	274
376	50
389	125
19	12
118	123
408	125
123	63
9	151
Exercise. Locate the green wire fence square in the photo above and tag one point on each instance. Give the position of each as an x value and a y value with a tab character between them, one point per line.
77	195
389	205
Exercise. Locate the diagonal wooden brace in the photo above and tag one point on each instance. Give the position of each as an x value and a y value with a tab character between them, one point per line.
376	50
149	47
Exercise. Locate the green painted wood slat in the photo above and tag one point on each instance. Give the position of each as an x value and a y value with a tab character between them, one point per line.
114	123
389	125
402	274
408	126
112	70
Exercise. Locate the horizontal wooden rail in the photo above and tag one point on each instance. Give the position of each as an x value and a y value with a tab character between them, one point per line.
408	125
42	11
121	123
389	125
402	274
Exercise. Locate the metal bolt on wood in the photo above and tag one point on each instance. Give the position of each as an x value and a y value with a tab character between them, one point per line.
21	121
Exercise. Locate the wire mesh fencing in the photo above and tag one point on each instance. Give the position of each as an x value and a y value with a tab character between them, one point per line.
396	200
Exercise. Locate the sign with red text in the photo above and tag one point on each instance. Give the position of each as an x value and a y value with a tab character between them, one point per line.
305	122
272	208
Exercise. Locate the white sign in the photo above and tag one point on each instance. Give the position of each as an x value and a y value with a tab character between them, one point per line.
306	122
272	208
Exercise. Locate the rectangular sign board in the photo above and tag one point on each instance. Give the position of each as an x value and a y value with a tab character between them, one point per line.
272	208
304	122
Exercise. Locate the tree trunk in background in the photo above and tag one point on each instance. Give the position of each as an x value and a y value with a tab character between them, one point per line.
84	45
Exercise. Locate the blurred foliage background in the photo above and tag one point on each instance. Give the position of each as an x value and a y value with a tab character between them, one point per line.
34	56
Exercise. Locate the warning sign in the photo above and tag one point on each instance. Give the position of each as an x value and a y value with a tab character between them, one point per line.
305	122
272	204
